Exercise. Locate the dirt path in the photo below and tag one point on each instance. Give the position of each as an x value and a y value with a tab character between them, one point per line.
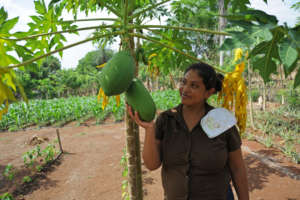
90	169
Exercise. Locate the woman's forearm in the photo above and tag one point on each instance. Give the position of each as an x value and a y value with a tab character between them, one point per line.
240	183
151	153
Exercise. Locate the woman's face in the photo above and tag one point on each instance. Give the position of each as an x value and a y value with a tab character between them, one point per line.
192	90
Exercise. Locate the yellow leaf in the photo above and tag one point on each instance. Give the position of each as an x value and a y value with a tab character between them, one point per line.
151	56
102	65
104	102
118	99
238	53
240	67
8	80
4	110
5	93
100	94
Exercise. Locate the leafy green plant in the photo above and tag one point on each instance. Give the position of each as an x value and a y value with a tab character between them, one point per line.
27	179
6	196
49	153
123	162
39	168
8	172
268	141
29	158
254	94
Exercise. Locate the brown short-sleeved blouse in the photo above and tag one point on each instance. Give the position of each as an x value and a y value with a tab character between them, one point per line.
194	167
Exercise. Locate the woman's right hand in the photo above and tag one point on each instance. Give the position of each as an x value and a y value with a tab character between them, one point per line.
136	118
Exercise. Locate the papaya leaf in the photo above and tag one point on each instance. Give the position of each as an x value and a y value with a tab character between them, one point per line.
259	48
243	38
295	36
261	32
37	19
270	48
8	25
244	24
265	67
261	17
290	69
8	80
297	79
229	44
288	54
39	7
21	90
22	51
3	15
53	2
6	94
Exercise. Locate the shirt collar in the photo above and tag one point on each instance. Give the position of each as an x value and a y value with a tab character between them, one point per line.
176	112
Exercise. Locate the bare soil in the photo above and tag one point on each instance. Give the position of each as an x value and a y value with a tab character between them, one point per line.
90	167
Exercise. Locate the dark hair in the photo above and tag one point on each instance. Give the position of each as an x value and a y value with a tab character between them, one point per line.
210	78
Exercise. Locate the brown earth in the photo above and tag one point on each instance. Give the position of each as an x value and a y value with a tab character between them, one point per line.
90	167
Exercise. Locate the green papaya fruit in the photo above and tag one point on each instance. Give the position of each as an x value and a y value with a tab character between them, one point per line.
138	97
117	74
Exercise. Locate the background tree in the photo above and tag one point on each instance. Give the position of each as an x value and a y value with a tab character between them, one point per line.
88	64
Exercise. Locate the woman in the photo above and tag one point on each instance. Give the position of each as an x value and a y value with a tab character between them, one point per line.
194	167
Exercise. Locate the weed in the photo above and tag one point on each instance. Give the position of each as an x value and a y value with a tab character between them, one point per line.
123	162
268	142
6	196
8	172
27	179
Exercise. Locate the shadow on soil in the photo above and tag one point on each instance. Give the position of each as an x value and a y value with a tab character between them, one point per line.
17	187
258	173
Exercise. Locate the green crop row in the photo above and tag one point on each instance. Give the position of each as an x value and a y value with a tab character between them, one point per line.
46	112
57	111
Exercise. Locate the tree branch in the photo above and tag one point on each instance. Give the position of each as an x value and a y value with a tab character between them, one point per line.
58	32
174	49
146	9
61	49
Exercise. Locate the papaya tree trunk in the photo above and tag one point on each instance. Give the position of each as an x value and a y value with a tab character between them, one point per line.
135	185
264	96
135	188
281	72
222	24
250	96
148	83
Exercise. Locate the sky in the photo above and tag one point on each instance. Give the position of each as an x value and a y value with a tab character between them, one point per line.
25	8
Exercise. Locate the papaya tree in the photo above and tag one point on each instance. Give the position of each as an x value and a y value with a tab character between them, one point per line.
46	37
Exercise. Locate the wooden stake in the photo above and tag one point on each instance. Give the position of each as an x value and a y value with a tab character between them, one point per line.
59	142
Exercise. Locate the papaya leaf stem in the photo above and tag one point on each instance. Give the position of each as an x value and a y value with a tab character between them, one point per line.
202	30
62	49
158	33
111	9
125	13
146	9
174	49
91	19
58	32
